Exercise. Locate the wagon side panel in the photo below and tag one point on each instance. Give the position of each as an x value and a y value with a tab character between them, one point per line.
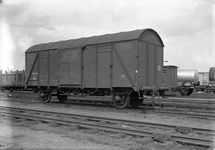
159	65
75	74
151	65
70	67
124	64
53	67
89	66
31	69
104	71
142	63
65	66
43	68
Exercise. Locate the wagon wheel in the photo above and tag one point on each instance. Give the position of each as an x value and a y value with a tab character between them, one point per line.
121	101
61	98
135	102
45	97
189	92
182	92
161	93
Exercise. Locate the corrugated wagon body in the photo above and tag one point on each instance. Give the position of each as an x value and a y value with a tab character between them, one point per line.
123	65
170	76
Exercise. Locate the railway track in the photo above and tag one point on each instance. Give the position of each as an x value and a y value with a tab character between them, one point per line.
156	131
193	104
200	113
187	113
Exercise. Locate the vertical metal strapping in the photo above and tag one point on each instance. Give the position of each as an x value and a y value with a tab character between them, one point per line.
136	65
82	66
34	62
38	54
23	77
96	70
48	65
111	68
23	81
147	63
155	65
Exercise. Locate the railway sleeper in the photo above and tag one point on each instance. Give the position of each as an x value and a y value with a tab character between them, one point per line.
184	130
162	138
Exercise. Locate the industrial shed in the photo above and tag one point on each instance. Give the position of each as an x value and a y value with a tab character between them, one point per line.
132	59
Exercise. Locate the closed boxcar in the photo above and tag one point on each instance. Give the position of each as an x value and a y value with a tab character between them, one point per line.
123	65
170	77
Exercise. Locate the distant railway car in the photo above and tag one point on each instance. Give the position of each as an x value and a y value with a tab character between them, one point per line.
183	81
123	65
187	80
12	80
207	81
170	77
211	85
187	77
212	74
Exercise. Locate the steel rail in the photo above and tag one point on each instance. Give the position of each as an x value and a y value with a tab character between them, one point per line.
111	119
179	138
208	115
193	98
185	113
181	101
179	105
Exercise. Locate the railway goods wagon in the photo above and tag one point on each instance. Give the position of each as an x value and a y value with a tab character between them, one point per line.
187	80
170	77
183	81
205	84
12	80
123	65
187	77
211	86
212	74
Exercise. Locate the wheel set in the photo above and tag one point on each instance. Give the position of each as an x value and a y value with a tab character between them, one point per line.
119	101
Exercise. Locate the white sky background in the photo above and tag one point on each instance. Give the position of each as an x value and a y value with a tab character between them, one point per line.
186	27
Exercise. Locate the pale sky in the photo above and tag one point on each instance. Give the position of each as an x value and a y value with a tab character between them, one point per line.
186	27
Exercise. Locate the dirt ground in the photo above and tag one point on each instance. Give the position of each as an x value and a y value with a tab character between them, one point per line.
24	134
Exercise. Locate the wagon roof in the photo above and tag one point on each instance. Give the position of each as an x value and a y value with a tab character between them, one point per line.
81	42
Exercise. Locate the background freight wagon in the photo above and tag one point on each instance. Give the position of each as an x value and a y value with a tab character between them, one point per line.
123	64
12	80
